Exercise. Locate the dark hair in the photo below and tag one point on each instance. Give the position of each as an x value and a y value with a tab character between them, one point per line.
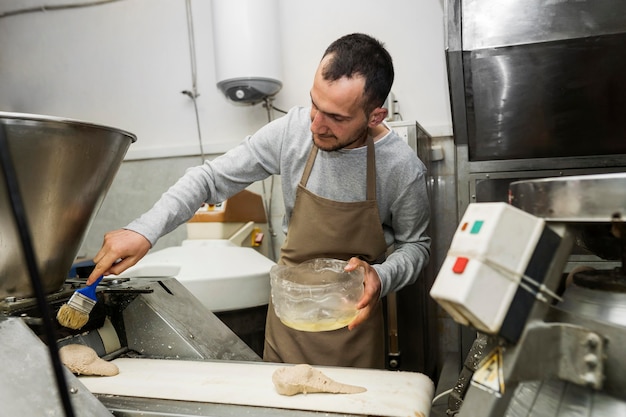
360	54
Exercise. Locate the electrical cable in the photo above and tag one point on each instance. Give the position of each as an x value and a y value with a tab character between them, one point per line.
279	110
542	290
441	395
193	94
267	202
17	206
268	211
46	8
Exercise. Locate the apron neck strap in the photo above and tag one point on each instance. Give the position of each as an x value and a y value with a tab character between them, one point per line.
309	166
371	169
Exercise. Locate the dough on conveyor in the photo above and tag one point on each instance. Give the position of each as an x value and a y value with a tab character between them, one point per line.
305	379
83	360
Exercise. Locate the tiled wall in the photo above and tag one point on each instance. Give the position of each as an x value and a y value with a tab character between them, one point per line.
139	184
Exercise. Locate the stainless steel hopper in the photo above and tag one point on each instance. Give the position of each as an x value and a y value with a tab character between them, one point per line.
64	169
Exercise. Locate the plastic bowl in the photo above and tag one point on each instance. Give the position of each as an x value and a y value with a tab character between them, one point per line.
316	295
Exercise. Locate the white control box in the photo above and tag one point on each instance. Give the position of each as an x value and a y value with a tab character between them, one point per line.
487	259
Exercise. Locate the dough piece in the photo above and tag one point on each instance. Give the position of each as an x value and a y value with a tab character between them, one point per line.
83	360
306	379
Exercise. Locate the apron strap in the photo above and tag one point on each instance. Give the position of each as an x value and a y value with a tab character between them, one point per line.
309	166
371	170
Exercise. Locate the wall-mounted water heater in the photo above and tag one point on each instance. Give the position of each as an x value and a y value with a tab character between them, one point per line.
246	38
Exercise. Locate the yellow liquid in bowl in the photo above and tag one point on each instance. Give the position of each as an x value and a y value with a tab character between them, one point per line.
320	325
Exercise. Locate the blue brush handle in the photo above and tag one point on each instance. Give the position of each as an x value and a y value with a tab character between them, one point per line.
90	290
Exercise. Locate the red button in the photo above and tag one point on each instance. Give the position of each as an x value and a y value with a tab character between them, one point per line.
459	265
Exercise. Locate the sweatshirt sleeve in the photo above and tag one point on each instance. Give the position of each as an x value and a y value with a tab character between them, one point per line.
176	206
213	182
411	243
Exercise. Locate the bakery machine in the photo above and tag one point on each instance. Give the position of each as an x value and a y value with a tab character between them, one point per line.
175	357
134	318
61	170
536	91
550	341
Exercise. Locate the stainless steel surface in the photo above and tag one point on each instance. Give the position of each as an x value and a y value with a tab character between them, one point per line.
471	173
443	184
417	330
539	101
64	169
171	322
537	79
565	351
601	305
489	24
554	398
587	198
27	386
523	362
140	317
142	407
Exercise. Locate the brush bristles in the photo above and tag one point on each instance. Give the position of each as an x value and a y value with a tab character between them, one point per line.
71	318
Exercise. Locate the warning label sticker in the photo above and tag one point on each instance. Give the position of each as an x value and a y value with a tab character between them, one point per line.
489	374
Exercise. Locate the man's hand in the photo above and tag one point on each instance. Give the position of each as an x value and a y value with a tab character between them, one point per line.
120	250
371	292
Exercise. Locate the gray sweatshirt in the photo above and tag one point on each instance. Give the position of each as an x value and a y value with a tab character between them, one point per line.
281	148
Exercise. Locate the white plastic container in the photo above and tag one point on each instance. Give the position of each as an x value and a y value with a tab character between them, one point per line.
223	276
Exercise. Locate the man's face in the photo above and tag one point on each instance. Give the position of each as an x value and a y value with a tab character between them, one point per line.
337	117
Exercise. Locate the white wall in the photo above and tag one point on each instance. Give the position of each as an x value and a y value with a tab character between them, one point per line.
412	30
125	64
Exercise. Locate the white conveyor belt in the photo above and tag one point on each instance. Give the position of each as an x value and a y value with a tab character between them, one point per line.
389	393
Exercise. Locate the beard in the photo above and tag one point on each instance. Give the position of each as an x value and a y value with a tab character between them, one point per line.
330	143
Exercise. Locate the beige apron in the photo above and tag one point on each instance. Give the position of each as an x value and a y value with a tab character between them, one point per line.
322	228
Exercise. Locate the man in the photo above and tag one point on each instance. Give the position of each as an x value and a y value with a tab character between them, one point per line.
352	190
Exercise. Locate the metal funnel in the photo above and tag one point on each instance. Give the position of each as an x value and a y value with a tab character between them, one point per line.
64	169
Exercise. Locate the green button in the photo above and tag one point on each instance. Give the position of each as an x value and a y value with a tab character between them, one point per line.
476	227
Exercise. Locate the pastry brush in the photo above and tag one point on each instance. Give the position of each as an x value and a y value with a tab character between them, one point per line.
75	314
